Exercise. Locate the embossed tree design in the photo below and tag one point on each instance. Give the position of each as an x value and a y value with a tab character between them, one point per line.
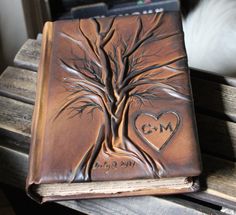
109	76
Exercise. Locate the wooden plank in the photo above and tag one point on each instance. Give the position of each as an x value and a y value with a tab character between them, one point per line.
219	194
220	177
137	205
222	103
219	139
29	55
215	200
216	136
19	84
228	211
14	166
215	77
15	120
215	97
218	182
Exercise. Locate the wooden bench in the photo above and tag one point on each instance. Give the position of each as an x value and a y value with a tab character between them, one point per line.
215	105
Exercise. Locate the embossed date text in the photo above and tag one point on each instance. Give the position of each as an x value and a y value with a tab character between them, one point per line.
114	165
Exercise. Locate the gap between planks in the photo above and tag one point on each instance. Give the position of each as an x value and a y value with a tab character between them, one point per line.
15	173
13	84
219	174
203	89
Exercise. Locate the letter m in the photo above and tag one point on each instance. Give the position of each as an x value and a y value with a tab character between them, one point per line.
169	126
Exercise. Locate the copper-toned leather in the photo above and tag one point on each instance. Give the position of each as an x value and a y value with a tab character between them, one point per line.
113	102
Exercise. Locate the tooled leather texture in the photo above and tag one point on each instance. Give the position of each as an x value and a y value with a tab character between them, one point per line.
119	102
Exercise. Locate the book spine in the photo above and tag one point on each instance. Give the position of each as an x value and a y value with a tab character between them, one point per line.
38	121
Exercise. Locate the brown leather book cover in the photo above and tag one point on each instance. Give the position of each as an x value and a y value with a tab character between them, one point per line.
114	111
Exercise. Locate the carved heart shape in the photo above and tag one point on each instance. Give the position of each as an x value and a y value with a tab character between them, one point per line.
157	129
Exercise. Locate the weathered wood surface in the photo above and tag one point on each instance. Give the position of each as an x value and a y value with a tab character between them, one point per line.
215	97
211	137
219	177
15	120
29	54
14	167
215	77
219	173
19	84
217	137
224	94
138	206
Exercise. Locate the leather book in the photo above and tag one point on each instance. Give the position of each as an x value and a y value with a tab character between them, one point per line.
114	110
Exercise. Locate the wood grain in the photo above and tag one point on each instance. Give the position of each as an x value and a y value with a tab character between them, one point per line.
13	84
218	180
216	136
219	139
138	205
212	76
15	120
221	90
14	167
220	177
215	97
29	54
14	125
15	174
19	84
